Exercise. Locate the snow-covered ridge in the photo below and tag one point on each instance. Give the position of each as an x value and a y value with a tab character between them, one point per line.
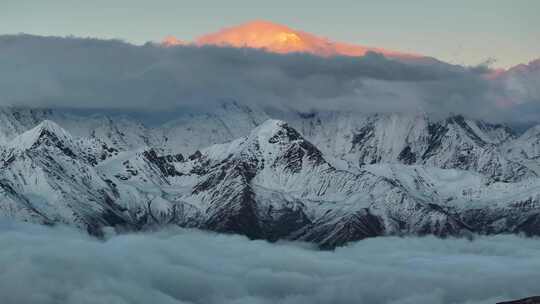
328	178
33	136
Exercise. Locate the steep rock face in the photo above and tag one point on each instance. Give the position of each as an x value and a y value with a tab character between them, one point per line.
334	230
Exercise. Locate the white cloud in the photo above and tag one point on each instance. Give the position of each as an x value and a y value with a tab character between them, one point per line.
59	265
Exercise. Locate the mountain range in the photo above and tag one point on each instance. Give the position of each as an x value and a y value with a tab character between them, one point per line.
323	177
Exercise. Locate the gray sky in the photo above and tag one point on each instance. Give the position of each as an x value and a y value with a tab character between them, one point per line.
459	31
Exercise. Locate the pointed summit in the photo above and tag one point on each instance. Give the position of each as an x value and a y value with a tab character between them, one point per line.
272	128
275	142
48	133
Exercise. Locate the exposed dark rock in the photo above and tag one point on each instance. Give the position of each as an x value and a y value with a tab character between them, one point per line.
531	226
437	132
237	215
364	134
329	233
406	156
164	162
460	121
281	223
50	139
285	133
195	155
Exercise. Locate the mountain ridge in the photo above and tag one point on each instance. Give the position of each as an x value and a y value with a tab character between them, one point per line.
273	179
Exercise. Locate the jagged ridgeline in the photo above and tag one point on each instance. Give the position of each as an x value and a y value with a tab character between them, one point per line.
326	178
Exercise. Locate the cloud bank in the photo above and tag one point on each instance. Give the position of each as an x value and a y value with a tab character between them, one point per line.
108	74
58	265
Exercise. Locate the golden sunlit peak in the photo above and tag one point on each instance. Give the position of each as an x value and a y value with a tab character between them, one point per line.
277	38
284	37
171	41
257	34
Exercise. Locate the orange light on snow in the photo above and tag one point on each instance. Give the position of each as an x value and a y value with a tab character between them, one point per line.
281	39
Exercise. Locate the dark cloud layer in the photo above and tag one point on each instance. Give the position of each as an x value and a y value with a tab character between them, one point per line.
90	73
59	265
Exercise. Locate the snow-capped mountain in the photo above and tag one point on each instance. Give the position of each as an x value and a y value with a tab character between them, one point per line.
327	178
278	38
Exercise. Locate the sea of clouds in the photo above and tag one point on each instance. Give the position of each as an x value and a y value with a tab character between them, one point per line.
41	264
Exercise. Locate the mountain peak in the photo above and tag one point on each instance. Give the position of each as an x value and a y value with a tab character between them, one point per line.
259	34
269	126
273	130
46	130
50	125
281	39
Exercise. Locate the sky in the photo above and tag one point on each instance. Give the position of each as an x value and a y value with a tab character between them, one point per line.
461	31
